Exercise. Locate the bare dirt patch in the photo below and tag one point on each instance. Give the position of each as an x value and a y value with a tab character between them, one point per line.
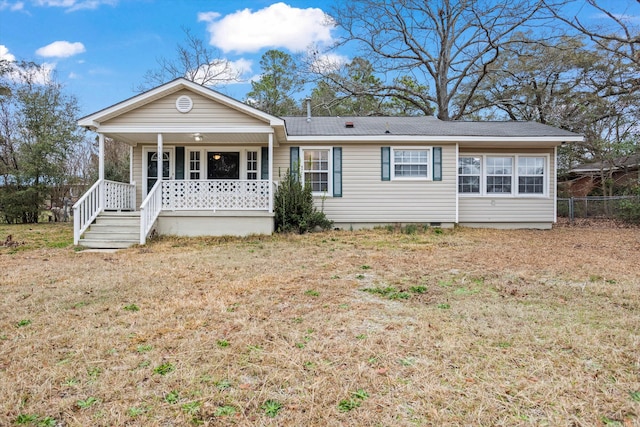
463	327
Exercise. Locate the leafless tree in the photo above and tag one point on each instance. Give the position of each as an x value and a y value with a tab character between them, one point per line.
619	36
195	61
445	44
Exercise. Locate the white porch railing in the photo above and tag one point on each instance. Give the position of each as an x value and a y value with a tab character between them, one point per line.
103	195
216	195
149	211
119	196
85	210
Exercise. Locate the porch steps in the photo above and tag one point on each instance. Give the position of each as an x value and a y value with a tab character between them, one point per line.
113	230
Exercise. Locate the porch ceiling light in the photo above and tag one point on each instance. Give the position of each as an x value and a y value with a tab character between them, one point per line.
197	137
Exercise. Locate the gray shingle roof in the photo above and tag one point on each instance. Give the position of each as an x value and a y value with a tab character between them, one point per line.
416	126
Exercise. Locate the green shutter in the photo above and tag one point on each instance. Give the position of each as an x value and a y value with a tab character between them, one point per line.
179	162
386	163
294	162
437	163
264	165
337	171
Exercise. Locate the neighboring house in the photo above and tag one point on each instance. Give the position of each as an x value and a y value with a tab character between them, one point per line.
622	173
222	159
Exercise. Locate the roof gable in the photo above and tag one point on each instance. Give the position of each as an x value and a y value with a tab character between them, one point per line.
139	101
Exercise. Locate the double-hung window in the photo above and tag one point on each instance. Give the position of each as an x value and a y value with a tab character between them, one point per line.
469	175
316	167
411	163
519	175
530	175
499	175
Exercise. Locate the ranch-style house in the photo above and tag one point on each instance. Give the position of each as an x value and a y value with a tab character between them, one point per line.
206	164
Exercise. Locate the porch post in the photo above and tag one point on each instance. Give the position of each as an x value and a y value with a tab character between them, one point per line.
160	157
101	194
100	156
131	165
271	189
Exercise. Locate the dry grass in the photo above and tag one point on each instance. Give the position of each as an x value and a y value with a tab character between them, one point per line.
482	327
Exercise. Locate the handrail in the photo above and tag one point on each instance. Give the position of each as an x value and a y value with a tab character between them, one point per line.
149	211
86	210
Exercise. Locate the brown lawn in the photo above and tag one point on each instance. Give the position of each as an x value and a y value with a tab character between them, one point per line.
464	327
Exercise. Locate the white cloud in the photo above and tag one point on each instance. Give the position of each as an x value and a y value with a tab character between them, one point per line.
5	55
39	75
208	16
74	76
276	26
55	3
326	63
73	5
243	66
42	75
61	49
232	72
13	7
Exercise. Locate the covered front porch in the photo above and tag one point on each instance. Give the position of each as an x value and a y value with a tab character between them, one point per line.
178	207
200	164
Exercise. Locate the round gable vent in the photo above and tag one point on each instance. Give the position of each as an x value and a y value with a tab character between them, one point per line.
184	104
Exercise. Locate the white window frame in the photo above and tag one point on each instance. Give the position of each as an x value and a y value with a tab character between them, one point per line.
329	192
512	175
145	164
479	175
544	175
223	149
429	164
515	176
258	169
202	171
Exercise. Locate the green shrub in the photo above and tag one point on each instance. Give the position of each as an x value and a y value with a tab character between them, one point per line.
20	204
629	210
294	208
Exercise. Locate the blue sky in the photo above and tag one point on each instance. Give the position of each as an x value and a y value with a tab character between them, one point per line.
101	49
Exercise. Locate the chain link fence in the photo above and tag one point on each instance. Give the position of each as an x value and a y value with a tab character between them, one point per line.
626	208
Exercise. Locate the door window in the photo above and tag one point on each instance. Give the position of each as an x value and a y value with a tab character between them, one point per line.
152	168
223	165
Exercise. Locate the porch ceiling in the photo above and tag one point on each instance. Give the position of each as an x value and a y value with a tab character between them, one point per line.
188	138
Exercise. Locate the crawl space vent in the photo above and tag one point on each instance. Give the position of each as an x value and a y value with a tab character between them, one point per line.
184	104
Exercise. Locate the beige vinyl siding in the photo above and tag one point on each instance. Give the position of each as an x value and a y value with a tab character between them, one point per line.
512	209
368	199
162	112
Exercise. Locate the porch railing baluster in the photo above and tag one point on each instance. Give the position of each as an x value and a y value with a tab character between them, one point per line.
215	195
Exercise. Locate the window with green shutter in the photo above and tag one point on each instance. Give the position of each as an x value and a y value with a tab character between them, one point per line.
320	167
411	163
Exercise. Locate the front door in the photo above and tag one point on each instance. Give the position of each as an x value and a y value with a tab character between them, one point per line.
152	167
223	165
